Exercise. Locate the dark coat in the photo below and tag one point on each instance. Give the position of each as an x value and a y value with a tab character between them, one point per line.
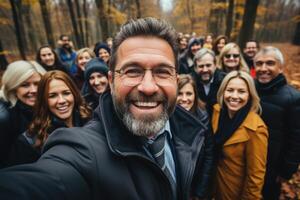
103	160
92	99
211	98
5	136
186	64
281	112
22	150
13	122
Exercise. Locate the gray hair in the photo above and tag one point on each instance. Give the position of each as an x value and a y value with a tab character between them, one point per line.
16	73
270	49
202	52
145	27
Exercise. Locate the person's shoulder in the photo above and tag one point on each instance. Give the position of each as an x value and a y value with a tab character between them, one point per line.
80	136
254	122
4	112
293	92
219	75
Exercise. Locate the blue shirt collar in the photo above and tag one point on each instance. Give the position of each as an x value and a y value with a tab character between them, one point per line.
165	128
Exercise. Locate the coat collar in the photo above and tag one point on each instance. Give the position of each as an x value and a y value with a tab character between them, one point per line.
251	123
184	127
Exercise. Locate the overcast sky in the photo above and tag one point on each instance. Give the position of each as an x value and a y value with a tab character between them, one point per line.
166	5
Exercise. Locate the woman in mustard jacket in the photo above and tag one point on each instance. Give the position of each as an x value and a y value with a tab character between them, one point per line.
241	139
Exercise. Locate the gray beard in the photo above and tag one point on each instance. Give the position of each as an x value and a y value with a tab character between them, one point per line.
144	127
147	126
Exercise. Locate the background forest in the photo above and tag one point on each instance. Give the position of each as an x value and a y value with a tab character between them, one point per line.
27	24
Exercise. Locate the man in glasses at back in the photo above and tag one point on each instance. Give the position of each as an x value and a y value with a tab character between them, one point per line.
139	145
281	112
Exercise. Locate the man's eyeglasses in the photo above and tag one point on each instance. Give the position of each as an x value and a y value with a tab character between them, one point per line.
204	65
133	75
231	55
268	63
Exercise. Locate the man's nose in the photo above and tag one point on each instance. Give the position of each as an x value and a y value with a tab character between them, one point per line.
148	85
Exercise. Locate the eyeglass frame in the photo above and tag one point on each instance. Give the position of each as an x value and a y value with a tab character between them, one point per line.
173	75
233	55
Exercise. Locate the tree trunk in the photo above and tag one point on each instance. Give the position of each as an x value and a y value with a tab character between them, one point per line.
215	17
47	23
3	60
79	20
138	9
246	31
85	14
229	19
103	19
296	39
18	29
189	7
74	23
26	9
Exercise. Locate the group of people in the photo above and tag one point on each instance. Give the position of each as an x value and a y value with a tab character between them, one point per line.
37	97
155	116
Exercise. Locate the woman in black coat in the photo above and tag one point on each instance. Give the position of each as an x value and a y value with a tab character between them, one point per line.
59	104
47	57
17	98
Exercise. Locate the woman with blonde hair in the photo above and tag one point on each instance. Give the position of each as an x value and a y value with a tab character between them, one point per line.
84	55
241	139
59	104
17	98
231	58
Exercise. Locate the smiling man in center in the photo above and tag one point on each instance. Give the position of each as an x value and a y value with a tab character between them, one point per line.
139	145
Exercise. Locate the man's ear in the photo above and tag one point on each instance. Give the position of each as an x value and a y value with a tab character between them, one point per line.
110	78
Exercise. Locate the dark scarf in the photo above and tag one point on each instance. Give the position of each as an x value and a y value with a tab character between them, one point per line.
227	126
274	84
21	116
58	123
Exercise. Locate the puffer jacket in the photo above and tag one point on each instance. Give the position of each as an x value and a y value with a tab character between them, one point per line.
281	112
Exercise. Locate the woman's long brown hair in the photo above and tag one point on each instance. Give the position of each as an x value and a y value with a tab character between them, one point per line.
42	115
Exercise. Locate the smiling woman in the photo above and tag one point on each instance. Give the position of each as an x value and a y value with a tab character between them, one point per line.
241	139
59	104
17	97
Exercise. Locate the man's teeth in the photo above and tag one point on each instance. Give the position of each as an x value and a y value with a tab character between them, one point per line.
146	104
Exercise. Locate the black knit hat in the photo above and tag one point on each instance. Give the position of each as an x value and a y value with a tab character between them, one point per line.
95	65
99	46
